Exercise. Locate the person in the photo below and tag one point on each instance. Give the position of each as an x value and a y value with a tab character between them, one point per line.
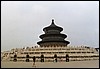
55	59
34	58
34	65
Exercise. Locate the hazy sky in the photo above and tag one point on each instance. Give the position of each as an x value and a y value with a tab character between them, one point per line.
23	21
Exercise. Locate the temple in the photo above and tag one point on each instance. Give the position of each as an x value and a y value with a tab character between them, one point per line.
53	36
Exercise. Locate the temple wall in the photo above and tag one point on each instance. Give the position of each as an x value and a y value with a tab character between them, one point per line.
75	53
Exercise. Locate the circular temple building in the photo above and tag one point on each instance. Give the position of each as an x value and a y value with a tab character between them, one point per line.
53	36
